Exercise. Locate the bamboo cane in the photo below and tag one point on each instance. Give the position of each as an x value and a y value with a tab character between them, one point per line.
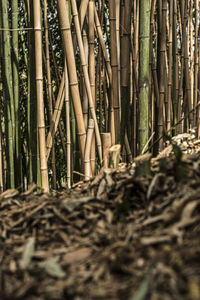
86	77
73	80
40	103
92	72
106	142
68	131
8	97
49	82
196	61
87	165
114	66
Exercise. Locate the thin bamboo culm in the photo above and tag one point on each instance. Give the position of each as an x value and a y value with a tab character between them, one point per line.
40	103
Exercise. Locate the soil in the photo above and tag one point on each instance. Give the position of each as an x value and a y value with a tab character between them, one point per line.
125	234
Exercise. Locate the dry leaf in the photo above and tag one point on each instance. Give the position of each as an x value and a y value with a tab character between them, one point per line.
76	256
52	267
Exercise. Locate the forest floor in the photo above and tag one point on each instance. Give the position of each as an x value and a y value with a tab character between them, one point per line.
118	236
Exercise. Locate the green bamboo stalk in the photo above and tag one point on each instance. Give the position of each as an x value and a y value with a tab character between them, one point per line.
1	89
8	88
125	70
31	103
143	130
15	68
135	58
1	161
68	132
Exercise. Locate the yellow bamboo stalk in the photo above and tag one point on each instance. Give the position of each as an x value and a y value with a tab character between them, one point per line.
40	102
82	11
86	76
102	43
92	72
114	66
73	80
117	3
87	165
106	142
84	93
55	117
50	97
109	71
196	62
169	103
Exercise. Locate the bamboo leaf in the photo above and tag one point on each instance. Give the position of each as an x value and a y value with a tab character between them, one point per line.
28	253
143	290
71	205
52	267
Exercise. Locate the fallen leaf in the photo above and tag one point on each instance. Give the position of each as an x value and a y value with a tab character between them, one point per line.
52	267
71	205
76	256
28	253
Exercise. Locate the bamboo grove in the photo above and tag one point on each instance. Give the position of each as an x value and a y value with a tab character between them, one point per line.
79	76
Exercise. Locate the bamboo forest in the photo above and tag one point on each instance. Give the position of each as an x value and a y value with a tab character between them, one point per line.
99	149
80	76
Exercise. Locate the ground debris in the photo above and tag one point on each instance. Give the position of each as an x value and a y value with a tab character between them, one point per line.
115	237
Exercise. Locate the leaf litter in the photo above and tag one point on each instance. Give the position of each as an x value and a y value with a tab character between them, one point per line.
118	236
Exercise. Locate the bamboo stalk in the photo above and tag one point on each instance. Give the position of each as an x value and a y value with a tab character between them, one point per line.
87	164
8	97
49	83
144	73
1	163
84	93
92	72
169	103
106	143
73	80
196	61
55	118
31	103
135	57
175	63
114	67
125	69
68	131
40	103
86	77
15	69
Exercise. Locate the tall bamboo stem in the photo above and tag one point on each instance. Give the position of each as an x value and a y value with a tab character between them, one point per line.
144	74
86	77
8	94
40	103
73	80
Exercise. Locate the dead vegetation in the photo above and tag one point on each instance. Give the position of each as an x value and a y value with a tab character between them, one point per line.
118	236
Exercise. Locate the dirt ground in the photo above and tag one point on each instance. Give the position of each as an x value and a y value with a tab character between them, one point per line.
118	236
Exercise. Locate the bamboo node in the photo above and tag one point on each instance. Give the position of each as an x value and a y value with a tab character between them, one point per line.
65	29
73	83
80	134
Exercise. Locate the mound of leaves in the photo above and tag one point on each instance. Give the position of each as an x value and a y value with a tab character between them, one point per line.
117	236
